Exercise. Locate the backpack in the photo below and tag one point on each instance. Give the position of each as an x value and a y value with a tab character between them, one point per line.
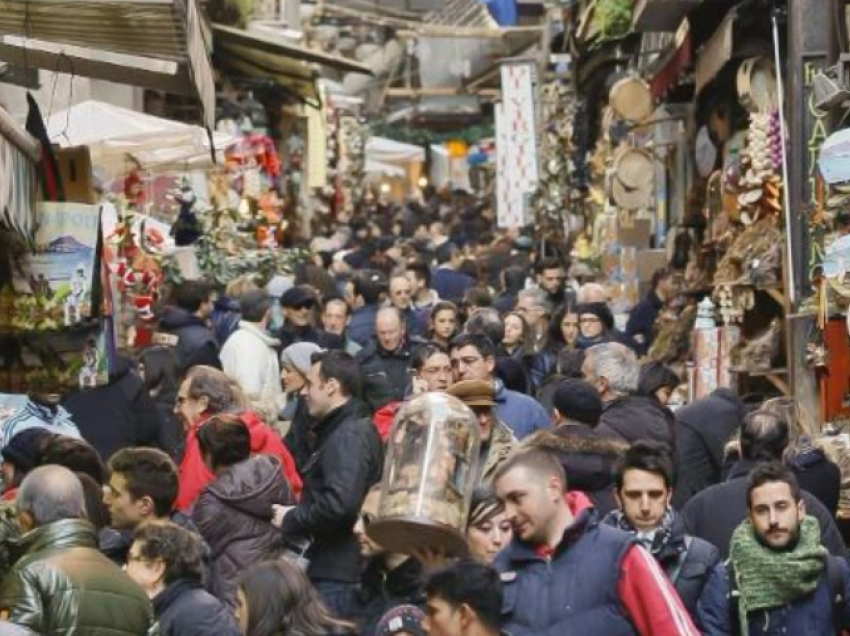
835	580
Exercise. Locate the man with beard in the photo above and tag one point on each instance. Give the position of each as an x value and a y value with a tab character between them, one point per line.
564	573
644	479
779	578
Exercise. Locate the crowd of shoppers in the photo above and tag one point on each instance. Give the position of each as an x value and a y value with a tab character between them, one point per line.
227	479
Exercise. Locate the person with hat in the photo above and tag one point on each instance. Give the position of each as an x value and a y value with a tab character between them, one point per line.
299	308
497	440
404	620
587	456
20	456
596	322
295	364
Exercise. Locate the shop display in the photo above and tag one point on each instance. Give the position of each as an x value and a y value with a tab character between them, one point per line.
759	353
429	474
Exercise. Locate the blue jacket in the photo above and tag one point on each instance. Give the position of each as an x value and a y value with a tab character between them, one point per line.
522	414
810	616
574	592
361	329
451	284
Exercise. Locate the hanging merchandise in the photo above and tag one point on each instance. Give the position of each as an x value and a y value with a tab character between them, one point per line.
633	179
19	153
631	99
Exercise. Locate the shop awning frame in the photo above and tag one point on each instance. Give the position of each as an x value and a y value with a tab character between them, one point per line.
156	44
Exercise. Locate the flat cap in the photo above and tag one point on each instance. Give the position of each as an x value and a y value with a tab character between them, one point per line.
474	392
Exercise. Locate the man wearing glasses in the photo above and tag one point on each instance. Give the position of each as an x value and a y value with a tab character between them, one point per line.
474	358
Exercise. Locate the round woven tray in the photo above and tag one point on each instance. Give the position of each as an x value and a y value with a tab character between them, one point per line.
408	534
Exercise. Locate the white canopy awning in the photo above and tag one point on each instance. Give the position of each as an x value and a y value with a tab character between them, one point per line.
112	133
385	169
386	150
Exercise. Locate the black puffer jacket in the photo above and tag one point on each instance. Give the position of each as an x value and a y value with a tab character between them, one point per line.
184	608
347	461
634	418
234	515
588	459
702	430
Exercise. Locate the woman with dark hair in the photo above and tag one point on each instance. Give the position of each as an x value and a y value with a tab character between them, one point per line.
518	337
657	381
276	599
562	335
97	511
443	323
160	370
489	529
233	512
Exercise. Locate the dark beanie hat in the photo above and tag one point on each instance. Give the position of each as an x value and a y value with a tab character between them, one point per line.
24	448
404	618
600	310
579	401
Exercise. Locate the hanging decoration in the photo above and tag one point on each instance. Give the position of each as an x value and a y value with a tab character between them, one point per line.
19	153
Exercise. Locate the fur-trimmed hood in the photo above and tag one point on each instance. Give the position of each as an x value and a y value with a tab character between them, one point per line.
576	439
587	457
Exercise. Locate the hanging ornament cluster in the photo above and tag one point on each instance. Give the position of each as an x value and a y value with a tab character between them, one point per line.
558	108
760	191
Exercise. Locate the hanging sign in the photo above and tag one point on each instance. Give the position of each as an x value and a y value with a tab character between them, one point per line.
516	142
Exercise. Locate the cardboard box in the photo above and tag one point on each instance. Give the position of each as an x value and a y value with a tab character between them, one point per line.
76	172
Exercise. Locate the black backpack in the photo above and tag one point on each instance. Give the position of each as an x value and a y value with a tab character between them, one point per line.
835	579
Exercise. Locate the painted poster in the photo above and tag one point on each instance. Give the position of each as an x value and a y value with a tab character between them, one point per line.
54	283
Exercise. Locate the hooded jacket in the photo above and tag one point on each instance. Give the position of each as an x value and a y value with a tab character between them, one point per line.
249	358
63	586
195	475
233	514
196	343
381	590
632	418
588	459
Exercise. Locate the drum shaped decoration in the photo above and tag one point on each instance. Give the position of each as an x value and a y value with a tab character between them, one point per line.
429	475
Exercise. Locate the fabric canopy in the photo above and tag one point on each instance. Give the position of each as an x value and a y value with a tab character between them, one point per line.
112	133
386	169
385	150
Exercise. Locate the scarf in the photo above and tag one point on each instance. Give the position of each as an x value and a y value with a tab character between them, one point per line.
658	542
767	578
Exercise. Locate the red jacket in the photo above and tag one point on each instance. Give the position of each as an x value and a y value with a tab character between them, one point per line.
194	474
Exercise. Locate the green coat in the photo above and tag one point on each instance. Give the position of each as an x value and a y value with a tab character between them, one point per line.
63	586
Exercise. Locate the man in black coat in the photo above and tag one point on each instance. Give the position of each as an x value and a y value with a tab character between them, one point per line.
702	430
184	325
385	362
714	513
346	463
640	328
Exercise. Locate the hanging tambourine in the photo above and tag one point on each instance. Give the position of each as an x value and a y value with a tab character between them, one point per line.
634	178
756	84
631	99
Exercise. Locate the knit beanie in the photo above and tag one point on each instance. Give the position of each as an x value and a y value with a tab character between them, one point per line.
404	618
579	401
25	447
600	310
299	356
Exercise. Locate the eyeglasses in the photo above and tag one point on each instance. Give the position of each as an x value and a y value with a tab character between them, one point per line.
302	306
466	362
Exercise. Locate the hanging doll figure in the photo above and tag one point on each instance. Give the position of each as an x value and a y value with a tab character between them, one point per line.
187	229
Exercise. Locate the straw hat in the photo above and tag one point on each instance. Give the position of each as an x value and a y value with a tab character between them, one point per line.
634	178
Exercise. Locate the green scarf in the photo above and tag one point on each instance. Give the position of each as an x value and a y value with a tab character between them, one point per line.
766	578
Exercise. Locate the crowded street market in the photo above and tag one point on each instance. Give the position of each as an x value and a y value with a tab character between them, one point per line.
408	317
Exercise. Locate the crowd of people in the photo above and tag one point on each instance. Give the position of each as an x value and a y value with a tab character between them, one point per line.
225	479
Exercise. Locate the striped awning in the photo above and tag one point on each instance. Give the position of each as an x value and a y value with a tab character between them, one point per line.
156	44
